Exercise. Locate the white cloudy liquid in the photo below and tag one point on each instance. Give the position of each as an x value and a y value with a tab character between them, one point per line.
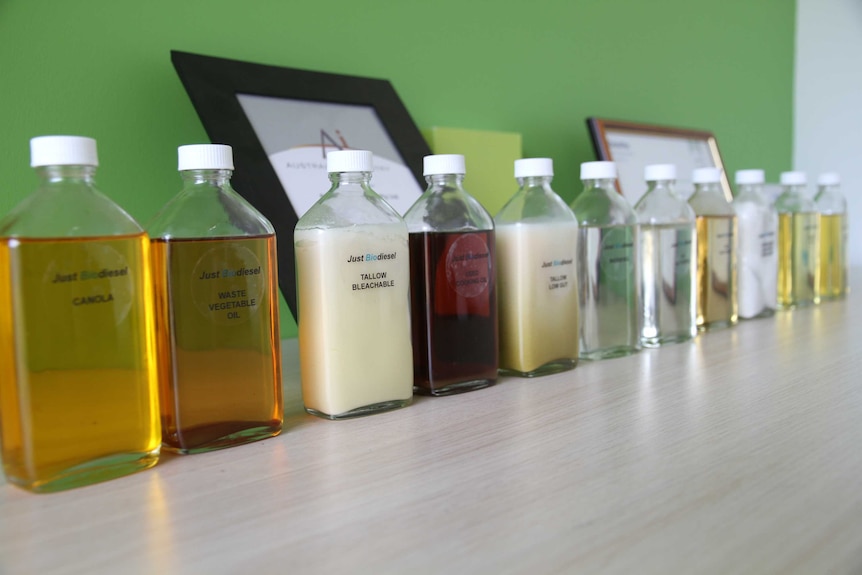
757	260
538	297
355	349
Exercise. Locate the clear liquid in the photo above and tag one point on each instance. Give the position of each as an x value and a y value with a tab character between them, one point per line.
798	259
219	348
78	381
538	298
717	304
608	291
833	256
669	283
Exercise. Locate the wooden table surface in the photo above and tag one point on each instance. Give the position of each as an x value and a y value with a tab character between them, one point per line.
738	453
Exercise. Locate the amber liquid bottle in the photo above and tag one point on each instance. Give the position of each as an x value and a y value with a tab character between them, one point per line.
798	244
214	267
453	288
717	246
834	260
78	391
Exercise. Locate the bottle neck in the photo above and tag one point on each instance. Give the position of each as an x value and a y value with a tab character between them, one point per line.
796	190
217	178
709	188
529	182
445	181
350	179
660	186
53	174
602	185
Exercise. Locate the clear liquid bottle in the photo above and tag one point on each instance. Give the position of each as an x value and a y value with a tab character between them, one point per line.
215	276
537	238
353	277
668	251
798	244
453	287
757	259
78	379
607	266
834	262
717	247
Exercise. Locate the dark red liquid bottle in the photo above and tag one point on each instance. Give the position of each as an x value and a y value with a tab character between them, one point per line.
453	288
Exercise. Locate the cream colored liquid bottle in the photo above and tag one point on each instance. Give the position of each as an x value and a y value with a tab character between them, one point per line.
537	238
353	272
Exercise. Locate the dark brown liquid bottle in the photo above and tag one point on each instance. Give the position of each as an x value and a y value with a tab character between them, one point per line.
453	288
214	263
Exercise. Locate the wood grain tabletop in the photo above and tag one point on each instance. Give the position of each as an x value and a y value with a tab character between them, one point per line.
738	453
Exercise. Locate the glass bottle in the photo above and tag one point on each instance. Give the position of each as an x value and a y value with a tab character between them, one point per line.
798	244
668	249
78	380
453	286
353	274
537	236
607	266
717	246
215	276
757	259
834	263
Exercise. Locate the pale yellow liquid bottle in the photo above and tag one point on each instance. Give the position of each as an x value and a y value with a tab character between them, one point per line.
78	380
717	245
217	314
537	242
834	253
798	244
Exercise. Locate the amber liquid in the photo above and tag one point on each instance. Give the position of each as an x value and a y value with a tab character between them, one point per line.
453	296
218	341
78	387
798	259
717	304
833	256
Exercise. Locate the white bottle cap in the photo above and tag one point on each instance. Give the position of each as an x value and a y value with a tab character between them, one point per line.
349	161
204	157
706	175
443	164
534	167
63	151
793	179
598	170
828	179
748	177
656	172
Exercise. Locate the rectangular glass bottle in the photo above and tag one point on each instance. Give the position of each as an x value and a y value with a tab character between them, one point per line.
214	262
833	256
798	244
352	269
717	304
453	284
78	380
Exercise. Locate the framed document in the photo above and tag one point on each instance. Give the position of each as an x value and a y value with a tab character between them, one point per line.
633	146
281	122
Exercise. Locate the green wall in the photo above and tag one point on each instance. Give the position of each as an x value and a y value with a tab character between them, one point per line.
101	68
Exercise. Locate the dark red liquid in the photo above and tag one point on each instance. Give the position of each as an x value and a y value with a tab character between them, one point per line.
453	295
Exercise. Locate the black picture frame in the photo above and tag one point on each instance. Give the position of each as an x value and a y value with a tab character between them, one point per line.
690	149
213	85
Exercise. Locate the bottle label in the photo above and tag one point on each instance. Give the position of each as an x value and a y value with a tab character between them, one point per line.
364	278
767	244
468	265
559	274
87	275
228	281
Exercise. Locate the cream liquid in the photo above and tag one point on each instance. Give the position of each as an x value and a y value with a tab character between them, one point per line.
538	296
354	319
